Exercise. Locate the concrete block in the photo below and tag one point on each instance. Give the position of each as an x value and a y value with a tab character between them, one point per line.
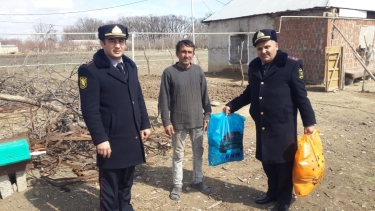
6	188
21	181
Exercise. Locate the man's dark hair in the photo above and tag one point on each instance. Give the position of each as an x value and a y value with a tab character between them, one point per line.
184	42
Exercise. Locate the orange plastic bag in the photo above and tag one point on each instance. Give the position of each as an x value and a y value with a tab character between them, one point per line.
308	169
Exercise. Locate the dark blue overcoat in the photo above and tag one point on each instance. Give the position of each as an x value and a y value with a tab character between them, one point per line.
113	110
275	100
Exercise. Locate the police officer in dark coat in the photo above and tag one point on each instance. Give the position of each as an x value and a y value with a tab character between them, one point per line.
115	113
276	92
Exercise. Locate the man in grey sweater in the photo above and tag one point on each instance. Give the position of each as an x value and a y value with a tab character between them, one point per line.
185	109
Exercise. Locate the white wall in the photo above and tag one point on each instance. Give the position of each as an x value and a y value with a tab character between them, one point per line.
218	56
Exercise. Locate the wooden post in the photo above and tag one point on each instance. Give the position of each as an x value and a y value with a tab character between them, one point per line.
342	76
242	42
148	64
355	53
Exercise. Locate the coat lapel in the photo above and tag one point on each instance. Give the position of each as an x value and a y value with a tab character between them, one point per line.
270	71
256	71
129	68
113	71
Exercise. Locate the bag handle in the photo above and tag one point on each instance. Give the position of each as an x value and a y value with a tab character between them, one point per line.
313	148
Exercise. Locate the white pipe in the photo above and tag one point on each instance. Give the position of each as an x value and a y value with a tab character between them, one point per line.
207	33
133	57
321	17
140	33
192	20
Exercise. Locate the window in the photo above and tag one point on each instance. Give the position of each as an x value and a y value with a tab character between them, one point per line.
235	45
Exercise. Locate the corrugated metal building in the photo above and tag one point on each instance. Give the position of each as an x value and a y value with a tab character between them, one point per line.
305	29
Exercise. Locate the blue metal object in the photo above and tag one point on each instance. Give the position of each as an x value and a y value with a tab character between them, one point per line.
14	152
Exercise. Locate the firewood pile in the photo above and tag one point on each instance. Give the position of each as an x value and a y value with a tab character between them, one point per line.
45	107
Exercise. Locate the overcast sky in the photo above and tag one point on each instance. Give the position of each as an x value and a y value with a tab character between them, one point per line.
14	12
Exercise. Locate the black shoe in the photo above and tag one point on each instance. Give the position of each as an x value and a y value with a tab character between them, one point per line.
282	208
264	200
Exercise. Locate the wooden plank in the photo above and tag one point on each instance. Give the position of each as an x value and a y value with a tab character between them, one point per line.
332	67
16	167
335	66
17	137
72	138
355	53
342	72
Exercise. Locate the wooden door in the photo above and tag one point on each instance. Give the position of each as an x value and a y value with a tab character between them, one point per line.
333	68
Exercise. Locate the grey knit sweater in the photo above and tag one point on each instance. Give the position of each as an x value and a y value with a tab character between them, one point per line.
183	97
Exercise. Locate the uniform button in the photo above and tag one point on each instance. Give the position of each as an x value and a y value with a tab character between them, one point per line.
136	137
261	113
263	128
260	98
133	102
262	83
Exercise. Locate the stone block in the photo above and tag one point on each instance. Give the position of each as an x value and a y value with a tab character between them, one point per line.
6	188
21	181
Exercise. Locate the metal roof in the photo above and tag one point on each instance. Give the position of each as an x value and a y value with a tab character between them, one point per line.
244	8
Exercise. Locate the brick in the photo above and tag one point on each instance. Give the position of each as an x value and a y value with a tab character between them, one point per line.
21	181
5	187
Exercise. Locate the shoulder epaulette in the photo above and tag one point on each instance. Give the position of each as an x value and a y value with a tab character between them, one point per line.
292	58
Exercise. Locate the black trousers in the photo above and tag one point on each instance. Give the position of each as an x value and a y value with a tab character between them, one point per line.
280	184
115	189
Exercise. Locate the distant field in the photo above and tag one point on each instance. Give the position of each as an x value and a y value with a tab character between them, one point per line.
68	61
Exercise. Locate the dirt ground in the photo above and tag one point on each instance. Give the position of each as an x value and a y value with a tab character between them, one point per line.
346	119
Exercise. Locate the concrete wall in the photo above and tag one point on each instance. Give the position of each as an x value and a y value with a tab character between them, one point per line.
302	37
351	30
218	56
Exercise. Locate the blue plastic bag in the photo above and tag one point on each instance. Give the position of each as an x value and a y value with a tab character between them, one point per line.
225	138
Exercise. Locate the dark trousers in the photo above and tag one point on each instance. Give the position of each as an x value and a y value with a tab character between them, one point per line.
280	184
115	189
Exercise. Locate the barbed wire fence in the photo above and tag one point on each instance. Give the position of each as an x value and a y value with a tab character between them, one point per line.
38	80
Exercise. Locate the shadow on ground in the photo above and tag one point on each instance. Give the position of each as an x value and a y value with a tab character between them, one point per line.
45	197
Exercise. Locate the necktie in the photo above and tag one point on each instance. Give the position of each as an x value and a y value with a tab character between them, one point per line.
265	68
121	68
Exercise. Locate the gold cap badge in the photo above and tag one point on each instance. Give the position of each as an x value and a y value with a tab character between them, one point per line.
260	34
116	31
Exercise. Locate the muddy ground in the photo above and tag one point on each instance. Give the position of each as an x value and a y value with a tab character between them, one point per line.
346	119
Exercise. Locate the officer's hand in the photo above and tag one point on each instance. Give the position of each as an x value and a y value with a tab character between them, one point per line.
205	124
226	110
104	149
309	129
145	134
169	130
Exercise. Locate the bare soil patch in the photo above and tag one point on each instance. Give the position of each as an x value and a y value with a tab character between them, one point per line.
347	123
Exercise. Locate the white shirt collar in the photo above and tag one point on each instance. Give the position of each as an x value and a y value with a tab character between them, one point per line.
113	62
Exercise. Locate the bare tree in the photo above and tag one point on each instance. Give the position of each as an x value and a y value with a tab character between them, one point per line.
45	40
83	25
